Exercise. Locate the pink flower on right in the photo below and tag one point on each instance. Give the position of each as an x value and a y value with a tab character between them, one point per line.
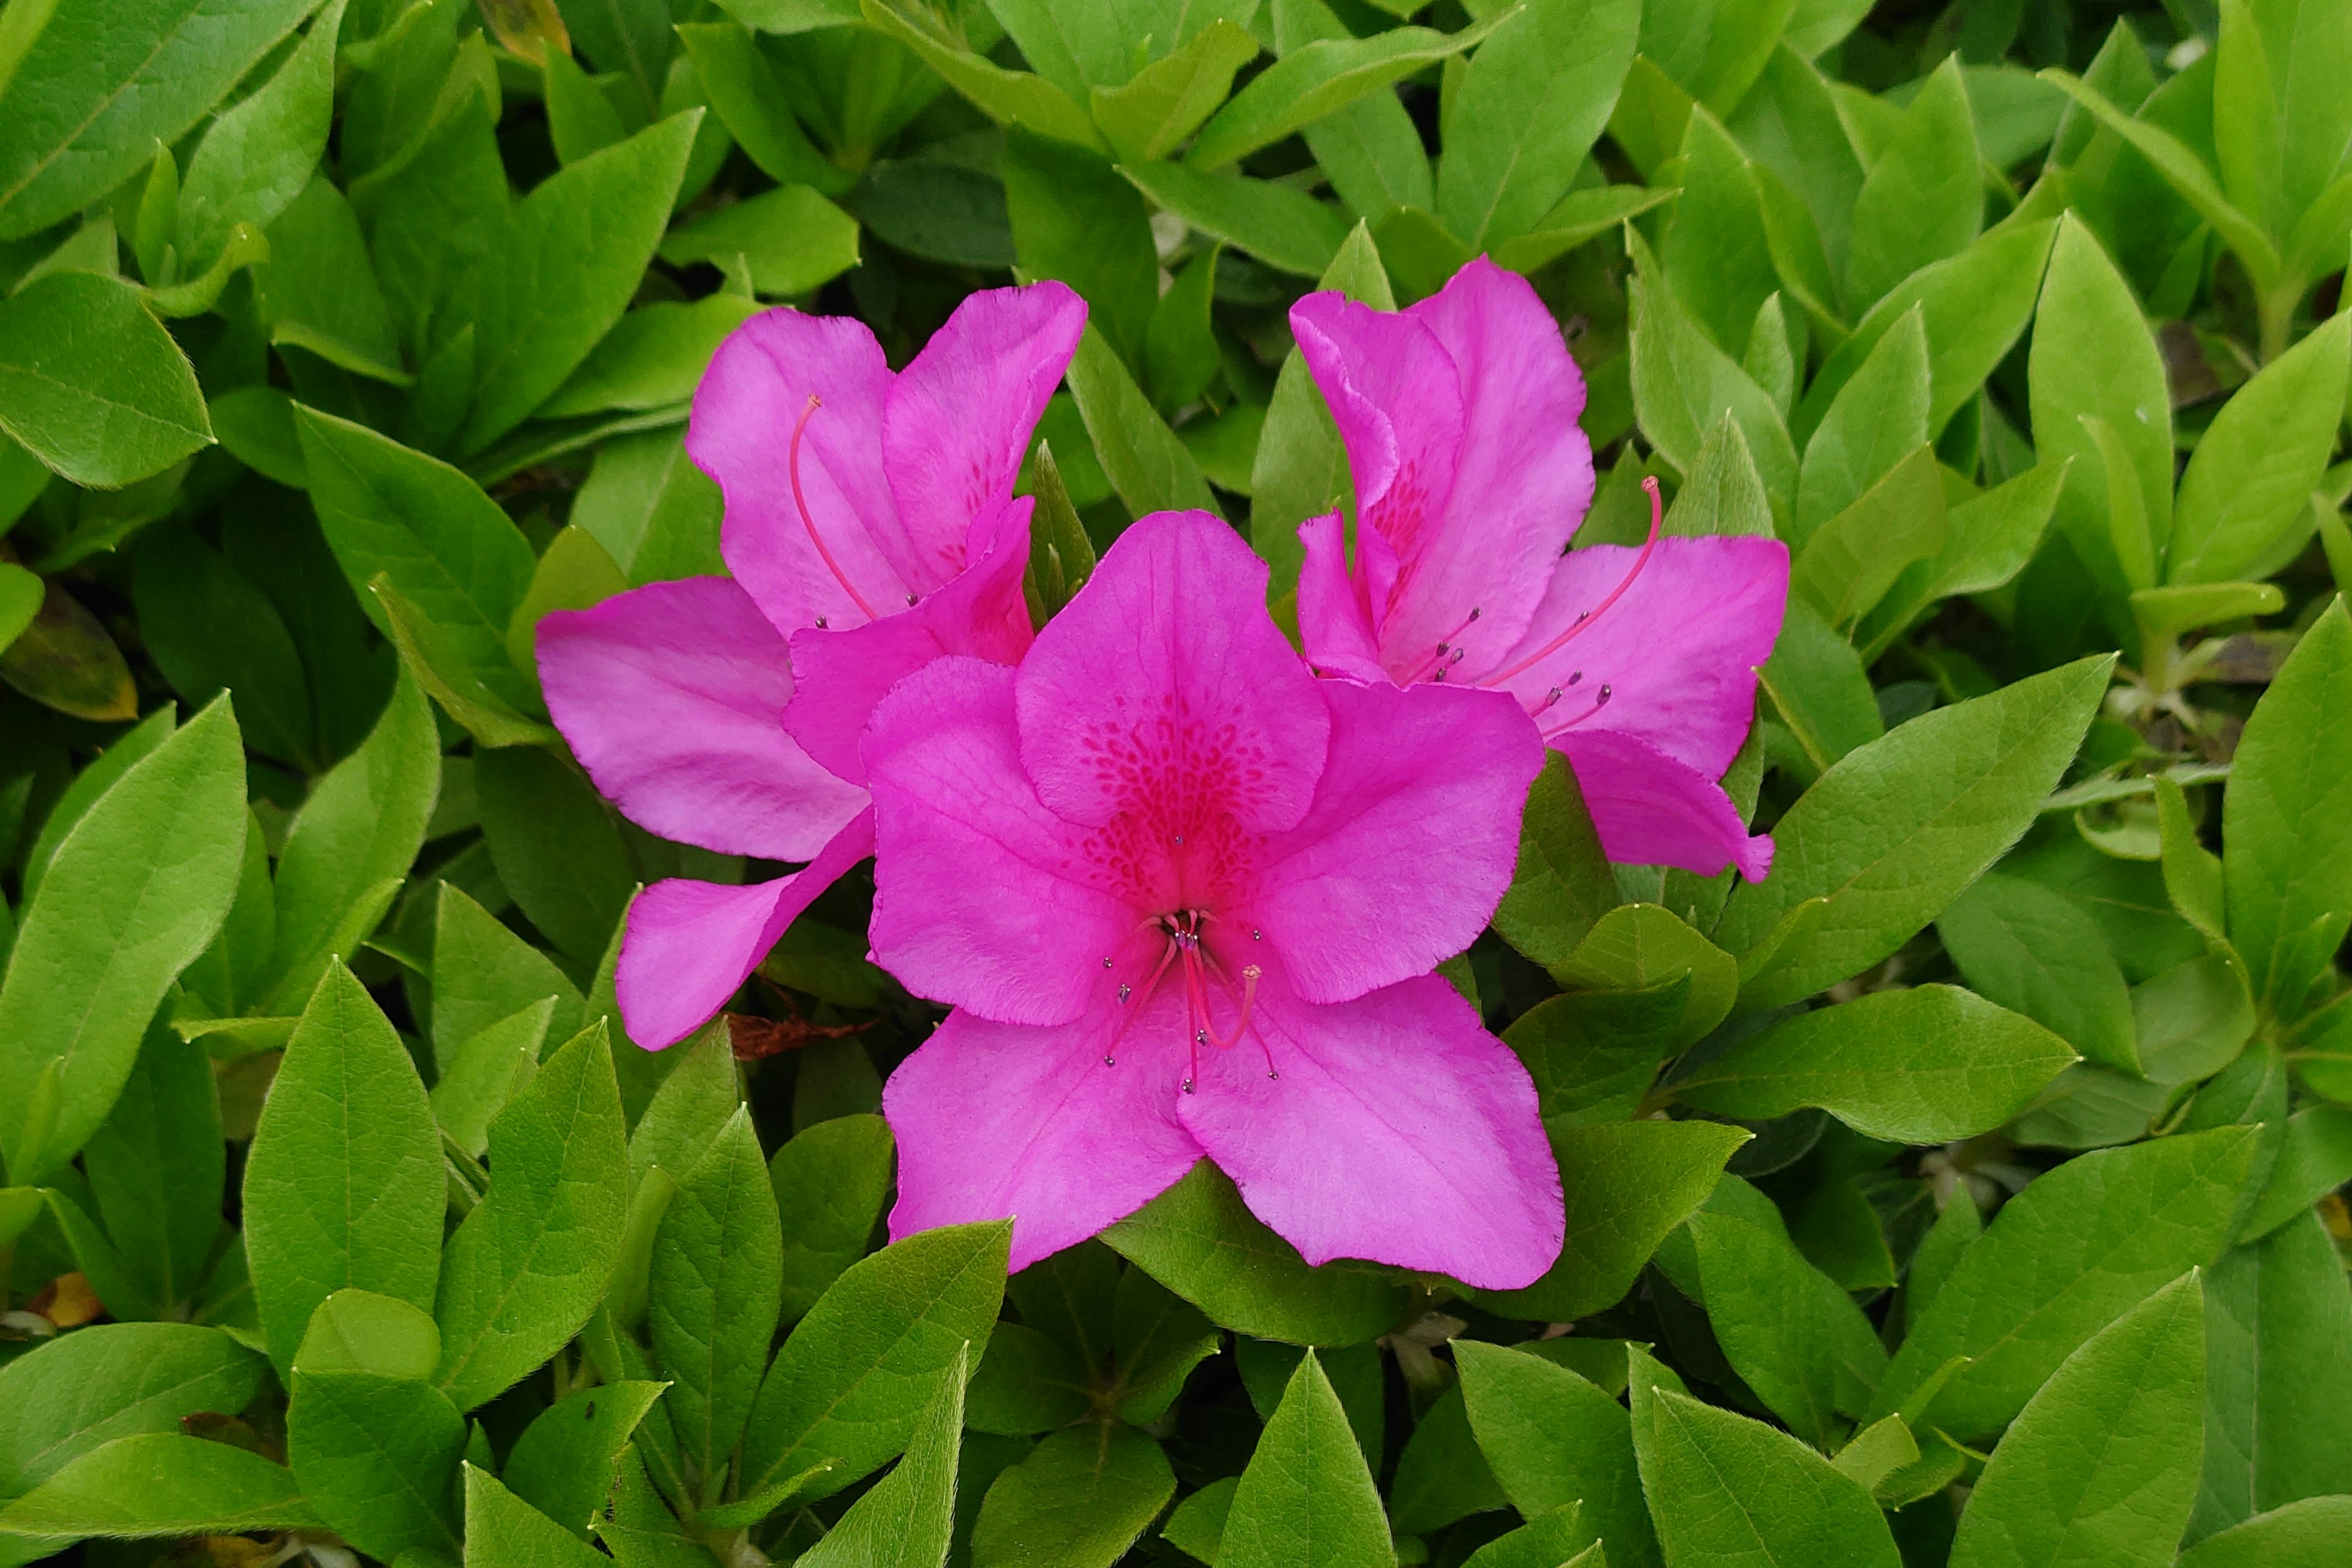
1459	415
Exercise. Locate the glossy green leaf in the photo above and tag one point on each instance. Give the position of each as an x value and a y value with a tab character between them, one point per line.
1306	1499
1147	466
1723	1487
1318	80
256	157
830	1182
504	1532
61	1400
91	384
1878	417
792	238
161	1484
1079	1500
2245	499
2030	950
1146	117
1787	1329
563	1463
1531	102
1922	200
134	893
2101	1464
2314	1530
907	1519
1554	1439
1563	885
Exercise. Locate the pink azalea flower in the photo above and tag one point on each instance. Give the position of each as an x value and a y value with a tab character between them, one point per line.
1185	900
870	527
1459	416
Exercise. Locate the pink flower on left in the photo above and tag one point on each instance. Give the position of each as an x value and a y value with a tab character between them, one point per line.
870	527
1185	900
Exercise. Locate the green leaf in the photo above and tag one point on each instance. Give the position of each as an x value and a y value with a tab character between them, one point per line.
343	1185
1554	1440
1628	1184
1715	50
849	1386
1301	470
528	1265
376	1454
2278	1377
1147	466
751	103
716	1278
655	513
1317	80
134	892
1636	946
1714	253
1682	384
1200	1240
2034	951
1820	687
2246	500
209	628
1306	1499
1526	112
830	1183
569	260
1009	97
557	845
563	1463
2312	1530
1166	101
792	238
1878	418
1725	1489
317	289
1281	225
1593	1054
446	547
1158	1338
256	157
80	1390
156	1169
1895	832
2079	1247
483	973
1079	1500
1849	562
1987	540
908	1519
92	92
1787	1329
2315	1158
2287	825
359	829
504	1532
1581	215
1924	196
652	358
1563	885
489	1069
161	1484
1554	1539
20	601
91	384
2101	1464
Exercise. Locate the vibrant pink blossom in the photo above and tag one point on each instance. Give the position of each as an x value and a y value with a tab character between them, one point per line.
1186	898
870	527
1459	416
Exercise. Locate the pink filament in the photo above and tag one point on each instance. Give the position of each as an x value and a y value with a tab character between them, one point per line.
792	465
1657	520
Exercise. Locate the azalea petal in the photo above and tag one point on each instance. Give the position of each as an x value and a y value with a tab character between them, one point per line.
1522	480
673	698
997	1120
1652	809
1411	842
983	898
1676	652
1165	690
689	944
1335	624
844	674
1397	1130
958	419
1395	395
752	398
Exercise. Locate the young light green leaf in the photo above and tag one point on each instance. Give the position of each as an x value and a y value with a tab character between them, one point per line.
1923	199
91	384
376	1456
161	1484
134	893
2074	1251
2032	951
1682	384
1725	1489
1079	1500
1850	562
482	973
712	1297
2316	1530
2246	500
792	238
1146	117
1895	832
257	156
1306	1499
1529	107
1317	80
108	1381
1553	1439
528	1265
1877	418
2286	821
343	1185
2101	1464
849	1386
489	1069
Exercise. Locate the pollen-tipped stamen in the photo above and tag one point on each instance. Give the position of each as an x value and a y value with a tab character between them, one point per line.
1439	654
1584	621
793	466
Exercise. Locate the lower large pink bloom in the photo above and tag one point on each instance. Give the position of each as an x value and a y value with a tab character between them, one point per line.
1459	418
1185	900
870	527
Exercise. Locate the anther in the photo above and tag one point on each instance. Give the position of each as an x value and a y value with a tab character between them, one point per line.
1180	839
1603	702
1188	1085
1575	676
1105	964
910	601
819	623
1256	935
1123	992
1111	1061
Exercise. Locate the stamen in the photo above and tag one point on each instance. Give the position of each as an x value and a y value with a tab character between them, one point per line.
1657	521
1599	701
792	465
1448	645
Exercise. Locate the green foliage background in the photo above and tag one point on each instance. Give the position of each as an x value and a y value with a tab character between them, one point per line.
1965	1193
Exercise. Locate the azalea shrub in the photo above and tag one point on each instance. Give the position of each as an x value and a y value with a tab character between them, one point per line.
1040	784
